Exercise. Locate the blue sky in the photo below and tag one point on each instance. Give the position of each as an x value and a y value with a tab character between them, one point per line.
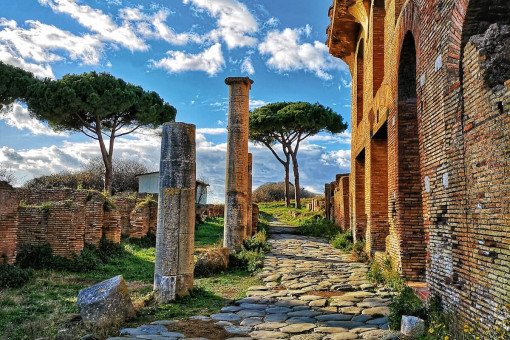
182	49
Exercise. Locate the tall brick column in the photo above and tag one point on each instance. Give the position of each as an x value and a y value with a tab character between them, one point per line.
249	226
173	275
236	178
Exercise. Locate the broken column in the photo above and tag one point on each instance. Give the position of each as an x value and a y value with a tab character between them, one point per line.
236	179
173	274
249	226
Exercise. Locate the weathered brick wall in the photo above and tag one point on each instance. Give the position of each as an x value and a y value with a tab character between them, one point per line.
341	202
8	223
65	219
435	110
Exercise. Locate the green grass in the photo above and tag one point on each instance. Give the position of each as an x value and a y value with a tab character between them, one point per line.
48	301
271	211
209	233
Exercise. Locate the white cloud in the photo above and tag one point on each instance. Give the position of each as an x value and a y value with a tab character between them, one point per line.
102	24
255	103
340	157
212	131
210	61
235	24
324	137
34	48
287	53
163	31
247	66
18	117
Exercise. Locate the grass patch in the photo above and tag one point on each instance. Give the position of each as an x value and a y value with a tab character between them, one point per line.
319	227
209	233
48	301
271	211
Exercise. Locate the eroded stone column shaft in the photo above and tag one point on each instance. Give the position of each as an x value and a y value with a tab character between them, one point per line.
249	225
236	178
173	274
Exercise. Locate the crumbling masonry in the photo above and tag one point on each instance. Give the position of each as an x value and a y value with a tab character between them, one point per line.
429	185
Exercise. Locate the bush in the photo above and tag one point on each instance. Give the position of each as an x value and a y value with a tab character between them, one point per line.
342	241
258	242
41	257
147	241
358	251
211	261
250	260
319	227
36	257
13	276
271	192
405	303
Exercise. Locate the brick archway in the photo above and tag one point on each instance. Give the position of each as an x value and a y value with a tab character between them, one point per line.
408	194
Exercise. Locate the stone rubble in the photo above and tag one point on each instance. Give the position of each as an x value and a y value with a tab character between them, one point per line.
311	291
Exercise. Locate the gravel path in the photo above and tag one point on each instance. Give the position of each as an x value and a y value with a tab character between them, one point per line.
310	291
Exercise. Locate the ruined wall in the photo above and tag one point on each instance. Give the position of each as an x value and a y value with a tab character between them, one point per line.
66	219
439	119
341	202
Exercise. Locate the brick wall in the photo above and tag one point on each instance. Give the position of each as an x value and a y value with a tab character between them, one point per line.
65	219
429	183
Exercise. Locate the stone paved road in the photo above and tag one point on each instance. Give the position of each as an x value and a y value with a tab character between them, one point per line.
310	291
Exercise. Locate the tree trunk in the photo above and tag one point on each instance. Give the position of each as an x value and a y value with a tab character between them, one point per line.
297	188
287	184
107	158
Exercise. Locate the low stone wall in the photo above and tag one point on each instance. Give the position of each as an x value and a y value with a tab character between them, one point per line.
68	219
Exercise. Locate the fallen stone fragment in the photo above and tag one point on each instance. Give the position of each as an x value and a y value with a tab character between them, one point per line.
412	326
105	303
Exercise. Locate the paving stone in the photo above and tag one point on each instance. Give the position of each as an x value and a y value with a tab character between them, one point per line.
238	329
267	335
230	309
253	306
318	303
326	329
225	317
246	313
380	334
251	321
377	311
351	310
173	334
378	321
362	318
298	328
144	330
276	317
343	324
342	336
278	310
269	326
311	336
300	319
334	317
306	312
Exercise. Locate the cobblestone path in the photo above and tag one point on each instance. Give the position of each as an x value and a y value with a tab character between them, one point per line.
310	291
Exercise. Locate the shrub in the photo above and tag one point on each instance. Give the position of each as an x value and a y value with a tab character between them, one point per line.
250	260
147	241
36	257
405	303
211	261
342	241
358	251
258	242
319	227
14	276
41	257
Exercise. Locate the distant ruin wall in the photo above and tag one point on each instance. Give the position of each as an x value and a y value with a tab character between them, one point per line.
68	219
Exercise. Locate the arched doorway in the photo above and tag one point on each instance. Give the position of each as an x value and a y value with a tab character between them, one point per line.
409	209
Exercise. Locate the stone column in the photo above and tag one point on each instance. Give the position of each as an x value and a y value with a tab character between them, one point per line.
236	178
249	226
173	274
